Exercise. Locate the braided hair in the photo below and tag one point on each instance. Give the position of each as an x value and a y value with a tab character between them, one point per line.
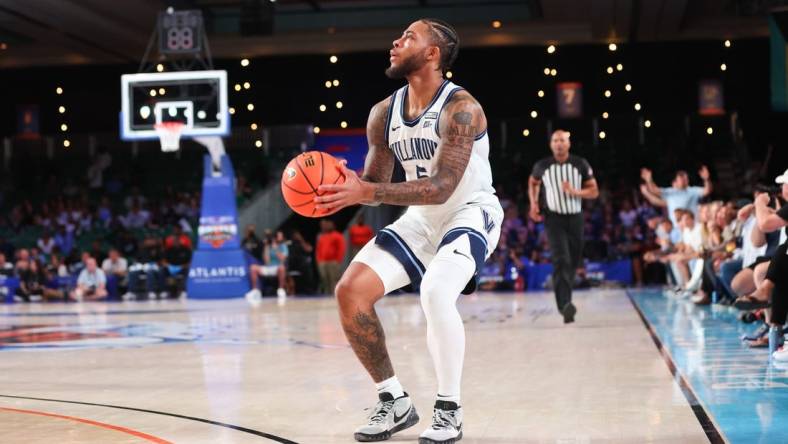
445	37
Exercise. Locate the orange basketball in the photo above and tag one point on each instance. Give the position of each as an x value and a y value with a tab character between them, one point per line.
303	175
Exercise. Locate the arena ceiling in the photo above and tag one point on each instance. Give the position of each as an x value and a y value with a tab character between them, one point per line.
65	32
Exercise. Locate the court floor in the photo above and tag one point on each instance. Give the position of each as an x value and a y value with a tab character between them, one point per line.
226	372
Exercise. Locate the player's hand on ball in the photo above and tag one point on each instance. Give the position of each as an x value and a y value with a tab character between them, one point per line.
333	198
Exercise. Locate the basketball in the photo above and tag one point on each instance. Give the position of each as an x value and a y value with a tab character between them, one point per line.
302	177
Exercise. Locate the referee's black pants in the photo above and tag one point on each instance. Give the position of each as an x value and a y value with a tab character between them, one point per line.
778	274
565	234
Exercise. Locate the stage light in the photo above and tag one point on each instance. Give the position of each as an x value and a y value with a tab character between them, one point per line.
339	105
61	109
540	93
723	67
637	107
153	93
647	124
159	67
328	83
231	110
602	135
727	43
608	93
628	87
250	107
343	124
247	85
605	115
237	87
526	132
553	72
258	143
333	59
316	130
66	143
335	82
58	90
244	62
162	91
612	47
551	49
619	67
547	71
322	108
145	111
449	74
64	127
253	127
172	111
534	114
709	130
610	70
496	24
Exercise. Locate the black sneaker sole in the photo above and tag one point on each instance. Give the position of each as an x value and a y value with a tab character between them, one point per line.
413	419
448	441
569	312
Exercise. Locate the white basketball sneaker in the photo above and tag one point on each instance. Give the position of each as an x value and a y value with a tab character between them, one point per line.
446	425
388	417
254	296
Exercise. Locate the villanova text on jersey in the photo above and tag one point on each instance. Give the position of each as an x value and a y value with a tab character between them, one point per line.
414	149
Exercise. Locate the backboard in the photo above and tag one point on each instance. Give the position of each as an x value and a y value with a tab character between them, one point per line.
198	99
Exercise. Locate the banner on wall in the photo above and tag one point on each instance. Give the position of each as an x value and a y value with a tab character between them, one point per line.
570	99
219	268
710	98
27	124
350	145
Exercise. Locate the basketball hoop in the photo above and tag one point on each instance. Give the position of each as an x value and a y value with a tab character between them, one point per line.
169	135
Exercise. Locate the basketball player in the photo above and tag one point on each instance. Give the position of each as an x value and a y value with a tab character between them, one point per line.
438	132
567	179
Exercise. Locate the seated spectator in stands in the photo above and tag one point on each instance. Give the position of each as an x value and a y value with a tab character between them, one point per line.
46	243
7	248
125	243
627	215
64	240
6	268
144	274
22	259
91	283
679	194
683	261
177	234
117	266
329	255
53	272
97	251
31	288
175	269
736	276
135	198
137	217
275	254
77	266
104	212
360	234
251	243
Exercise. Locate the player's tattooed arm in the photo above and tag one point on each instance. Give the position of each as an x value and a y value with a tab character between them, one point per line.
460	122
379	164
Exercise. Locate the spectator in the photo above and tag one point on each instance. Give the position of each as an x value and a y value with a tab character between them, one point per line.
360	234
117	266
251	243
31	288
275	254
126	244
175	269
329	255
135	198
91	283
183	239
104	212
299	261
679	194
46	243
64	240
6	248
97	251
136	217
6	268
627	215
144	276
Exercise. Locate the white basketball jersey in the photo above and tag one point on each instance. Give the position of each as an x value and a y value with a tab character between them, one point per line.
416	144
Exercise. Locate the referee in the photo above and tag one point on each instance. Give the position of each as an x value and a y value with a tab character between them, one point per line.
567	180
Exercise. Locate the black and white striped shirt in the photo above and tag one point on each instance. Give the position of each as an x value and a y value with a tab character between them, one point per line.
553	174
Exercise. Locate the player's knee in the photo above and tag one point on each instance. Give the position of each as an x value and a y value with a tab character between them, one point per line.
349	293
430	291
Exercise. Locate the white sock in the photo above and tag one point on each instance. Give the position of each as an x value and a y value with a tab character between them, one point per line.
391	386
445	278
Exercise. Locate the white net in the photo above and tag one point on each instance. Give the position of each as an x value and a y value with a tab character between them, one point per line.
169	135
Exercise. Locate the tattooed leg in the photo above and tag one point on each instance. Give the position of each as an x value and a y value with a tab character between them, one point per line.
357	292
